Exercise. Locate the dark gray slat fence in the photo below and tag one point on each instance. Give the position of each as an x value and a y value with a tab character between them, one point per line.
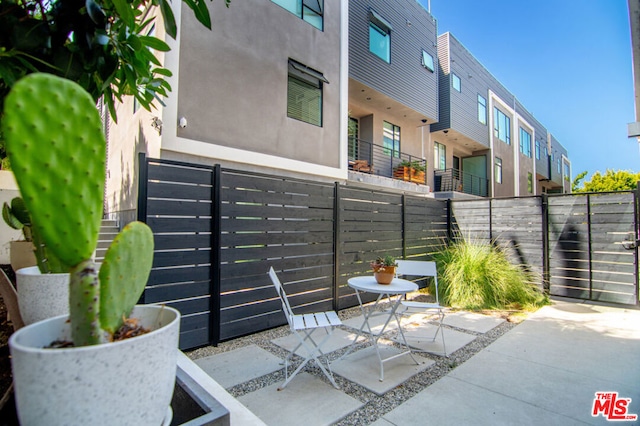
176	201
373	223
587	255
514	224
272	221
425	227
266	216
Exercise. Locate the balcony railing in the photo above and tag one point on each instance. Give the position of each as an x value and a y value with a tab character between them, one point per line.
458	181
375	159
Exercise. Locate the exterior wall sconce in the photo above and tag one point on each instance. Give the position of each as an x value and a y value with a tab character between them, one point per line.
156	123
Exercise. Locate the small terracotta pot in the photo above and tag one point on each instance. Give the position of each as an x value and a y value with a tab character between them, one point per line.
385	274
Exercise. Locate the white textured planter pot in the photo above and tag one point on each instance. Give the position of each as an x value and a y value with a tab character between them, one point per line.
41	296
129	382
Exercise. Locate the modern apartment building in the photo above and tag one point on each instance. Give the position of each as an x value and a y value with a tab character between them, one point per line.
486	142
393	81
264	90
337	91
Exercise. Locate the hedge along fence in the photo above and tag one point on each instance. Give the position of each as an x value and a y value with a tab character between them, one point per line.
218	231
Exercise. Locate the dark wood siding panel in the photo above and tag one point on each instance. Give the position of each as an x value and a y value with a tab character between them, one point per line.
411	85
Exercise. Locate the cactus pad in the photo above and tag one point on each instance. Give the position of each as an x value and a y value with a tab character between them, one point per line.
56	145
124	273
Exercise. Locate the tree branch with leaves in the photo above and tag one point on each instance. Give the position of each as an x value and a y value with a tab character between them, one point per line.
103	45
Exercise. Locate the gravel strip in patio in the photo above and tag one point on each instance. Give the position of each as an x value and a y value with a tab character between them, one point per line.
374	406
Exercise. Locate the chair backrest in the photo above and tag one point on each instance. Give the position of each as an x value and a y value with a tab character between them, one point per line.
419	268
286	308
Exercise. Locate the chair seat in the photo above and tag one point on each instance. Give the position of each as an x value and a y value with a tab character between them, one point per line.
421	305
316	320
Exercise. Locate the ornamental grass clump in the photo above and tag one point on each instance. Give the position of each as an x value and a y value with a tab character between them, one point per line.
477	275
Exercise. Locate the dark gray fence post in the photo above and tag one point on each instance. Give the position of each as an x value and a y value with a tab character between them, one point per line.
337	193
216	255
143	177
546	274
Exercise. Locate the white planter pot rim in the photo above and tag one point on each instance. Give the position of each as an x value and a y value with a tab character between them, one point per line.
125	382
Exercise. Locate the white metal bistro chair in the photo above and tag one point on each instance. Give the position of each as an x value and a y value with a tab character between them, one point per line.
303	326
423	269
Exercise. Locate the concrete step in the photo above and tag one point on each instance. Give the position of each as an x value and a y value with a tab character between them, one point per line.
108	230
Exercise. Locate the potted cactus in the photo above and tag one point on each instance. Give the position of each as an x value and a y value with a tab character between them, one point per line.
56	145
43	290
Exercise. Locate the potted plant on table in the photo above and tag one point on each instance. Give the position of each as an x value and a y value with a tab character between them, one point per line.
384	269
56	146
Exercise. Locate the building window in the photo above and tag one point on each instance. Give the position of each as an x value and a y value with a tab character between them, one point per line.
304	93
427	61
537	150
530	182
391	139
525	142
501	126
312	11
559	167
455	81
482	110
379	36
497	170
439	156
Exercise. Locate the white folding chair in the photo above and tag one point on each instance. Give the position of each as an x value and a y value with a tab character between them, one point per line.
422	269
303	326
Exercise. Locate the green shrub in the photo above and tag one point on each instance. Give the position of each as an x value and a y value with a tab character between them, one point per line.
477	275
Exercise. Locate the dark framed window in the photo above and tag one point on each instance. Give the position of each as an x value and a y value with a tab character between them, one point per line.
455	82
482	109
501	126
537	150
439	156
312	11
379	36
304	93
525	142
427	61
391	139
497	170
530	182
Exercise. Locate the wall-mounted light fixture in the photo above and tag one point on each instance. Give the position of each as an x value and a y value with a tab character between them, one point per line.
156	123
182	122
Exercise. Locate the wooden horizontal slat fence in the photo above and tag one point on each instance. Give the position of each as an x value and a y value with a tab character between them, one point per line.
217	231
588	259
176	201
514	224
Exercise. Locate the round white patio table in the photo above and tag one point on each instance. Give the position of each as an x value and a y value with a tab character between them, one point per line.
394	292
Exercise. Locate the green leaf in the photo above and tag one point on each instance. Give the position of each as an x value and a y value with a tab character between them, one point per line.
169	19
162	71
126	13
201	11
154	43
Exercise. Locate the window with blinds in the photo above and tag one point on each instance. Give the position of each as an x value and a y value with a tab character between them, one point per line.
304	93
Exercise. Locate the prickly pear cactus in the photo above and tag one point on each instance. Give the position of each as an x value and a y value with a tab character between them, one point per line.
56	145
124	273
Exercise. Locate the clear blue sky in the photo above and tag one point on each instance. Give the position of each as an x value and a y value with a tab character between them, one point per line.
567	61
